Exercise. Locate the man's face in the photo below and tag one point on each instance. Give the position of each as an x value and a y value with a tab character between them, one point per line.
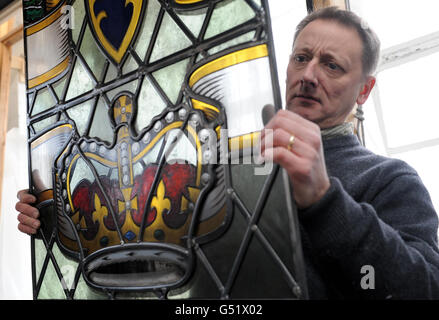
324	75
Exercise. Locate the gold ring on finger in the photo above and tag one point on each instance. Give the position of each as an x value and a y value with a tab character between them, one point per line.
291	142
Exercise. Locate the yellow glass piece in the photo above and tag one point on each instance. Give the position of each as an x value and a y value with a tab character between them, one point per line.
188	1
247	140
210	111
49	74
229	60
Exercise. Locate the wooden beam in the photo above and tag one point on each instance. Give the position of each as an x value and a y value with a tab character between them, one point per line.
13	36
5	72
5	27
17	63
8	36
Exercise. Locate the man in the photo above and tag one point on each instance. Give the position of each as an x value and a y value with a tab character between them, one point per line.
367	223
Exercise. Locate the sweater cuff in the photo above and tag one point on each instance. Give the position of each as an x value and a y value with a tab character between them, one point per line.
332	222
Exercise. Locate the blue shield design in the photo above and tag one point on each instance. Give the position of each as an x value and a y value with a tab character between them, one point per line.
114	24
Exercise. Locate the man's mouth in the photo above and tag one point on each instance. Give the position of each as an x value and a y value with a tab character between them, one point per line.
306	97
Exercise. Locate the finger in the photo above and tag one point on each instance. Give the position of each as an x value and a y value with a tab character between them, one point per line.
28	221
306	130
281	138
26	229
298	168
27	210
26	197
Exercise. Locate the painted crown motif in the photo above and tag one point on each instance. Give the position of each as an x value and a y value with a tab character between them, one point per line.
141	191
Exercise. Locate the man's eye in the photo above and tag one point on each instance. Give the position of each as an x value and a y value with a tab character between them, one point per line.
333	66
299	58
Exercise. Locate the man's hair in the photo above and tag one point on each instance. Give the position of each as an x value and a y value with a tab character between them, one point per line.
371	43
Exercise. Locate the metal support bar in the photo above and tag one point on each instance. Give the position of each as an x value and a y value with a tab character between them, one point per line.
409	51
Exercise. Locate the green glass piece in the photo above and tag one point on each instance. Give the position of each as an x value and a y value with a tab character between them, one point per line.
153	154
130	86
45	123
193	20
137	169
43	102
80	82
149	105
101	127
171	79
82	171
83	291
58	87
67	267
257	2
114	174
129	65
111	73
81	115
30	99
100	168
92	55
78	14
224	16
145	33
40	254
170	39
51	287
247	37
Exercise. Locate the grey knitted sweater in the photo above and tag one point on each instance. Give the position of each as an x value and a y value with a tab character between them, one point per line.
378	214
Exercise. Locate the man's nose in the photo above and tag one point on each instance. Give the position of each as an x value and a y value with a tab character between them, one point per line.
310	78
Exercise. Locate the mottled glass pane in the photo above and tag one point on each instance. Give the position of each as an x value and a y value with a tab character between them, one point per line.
149	105
43	102
30	100
247	37
80	82
78	14
58	87
194	20
83	291
153	154
257	2
81	115
101	127
169	40
51	287
130	86
67	267
129	65
82	171
100	168
111	73
224	16
43	124
92	55
182	150
171	79
145	32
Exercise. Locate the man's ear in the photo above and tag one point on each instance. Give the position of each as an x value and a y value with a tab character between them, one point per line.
366	89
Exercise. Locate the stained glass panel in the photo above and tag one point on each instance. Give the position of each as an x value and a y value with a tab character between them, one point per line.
136	121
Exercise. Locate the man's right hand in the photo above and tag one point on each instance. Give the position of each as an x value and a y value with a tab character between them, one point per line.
28	214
